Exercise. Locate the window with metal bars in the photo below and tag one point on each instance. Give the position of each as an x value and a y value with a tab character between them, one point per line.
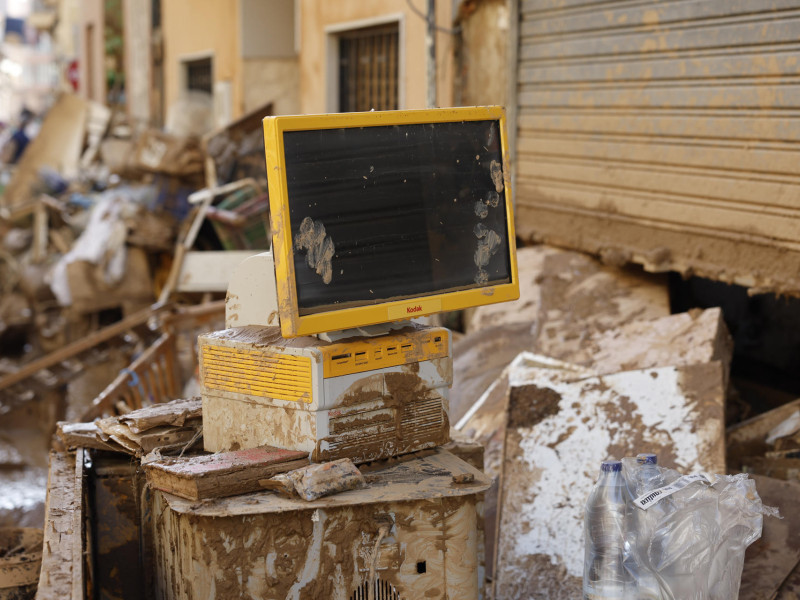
368	68
198	75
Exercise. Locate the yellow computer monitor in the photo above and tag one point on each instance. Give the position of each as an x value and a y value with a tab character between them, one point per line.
384	216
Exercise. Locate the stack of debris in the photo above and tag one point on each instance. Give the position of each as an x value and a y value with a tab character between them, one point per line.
90	219
96	223
611	374
162	428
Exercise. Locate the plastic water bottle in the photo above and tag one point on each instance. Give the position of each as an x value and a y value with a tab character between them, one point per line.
650	475
641	528
604	574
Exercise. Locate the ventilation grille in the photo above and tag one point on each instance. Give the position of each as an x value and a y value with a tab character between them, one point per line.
257	373
381	590
421	426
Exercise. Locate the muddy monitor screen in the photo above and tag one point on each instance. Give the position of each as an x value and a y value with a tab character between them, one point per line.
390	213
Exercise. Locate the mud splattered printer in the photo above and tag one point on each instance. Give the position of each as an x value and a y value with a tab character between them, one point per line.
377	218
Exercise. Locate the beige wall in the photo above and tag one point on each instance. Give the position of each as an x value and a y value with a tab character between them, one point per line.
317	15
482	57
198	27
138	78
275	80
91	67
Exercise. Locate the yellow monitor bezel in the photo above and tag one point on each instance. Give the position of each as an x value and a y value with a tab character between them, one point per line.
292	323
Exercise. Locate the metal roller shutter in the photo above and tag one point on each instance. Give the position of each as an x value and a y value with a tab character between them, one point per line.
664	133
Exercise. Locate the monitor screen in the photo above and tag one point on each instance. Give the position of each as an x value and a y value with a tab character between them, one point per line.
394	212
382	216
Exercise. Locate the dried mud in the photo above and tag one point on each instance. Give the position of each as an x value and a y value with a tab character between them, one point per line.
530	405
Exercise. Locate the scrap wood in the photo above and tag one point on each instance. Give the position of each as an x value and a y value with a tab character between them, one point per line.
784	467
203	198
113	436
150	379
749	438
57	145
174	413
222	474
790	588
161	152
191	317
85	435
316	481
62	575
229	148
81	345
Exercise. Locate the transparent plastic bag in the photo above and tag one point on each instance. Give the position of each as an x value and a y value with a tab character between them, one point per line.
688	542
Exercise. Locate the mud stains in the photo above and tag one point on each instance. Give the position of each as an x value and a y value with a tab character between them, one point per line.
488	244
411	418
497	176
530	404
319	247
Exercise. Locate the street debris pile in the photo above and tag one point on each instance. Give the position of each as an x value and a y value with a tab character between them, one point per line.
114	251
115	247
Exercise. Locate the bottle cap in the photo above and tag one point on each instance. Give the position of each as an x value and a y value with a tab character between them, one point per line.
647	459
611	466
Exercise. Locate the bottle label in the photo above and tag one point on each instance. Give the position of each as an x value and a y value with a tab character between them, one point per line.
652	497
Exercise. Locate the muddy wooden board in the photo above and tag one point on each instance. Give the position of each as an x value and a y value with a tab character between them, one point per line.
558	432
175	413
790	589
771	559
63	553
221	474
749	437
20	561
432	475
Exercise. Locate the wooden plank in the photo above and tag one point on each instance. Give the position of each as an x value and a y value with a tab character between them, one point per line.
81	345
771	559
174	413
136	383
790	589
222	474
63	554
749	437
431	470
210	271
